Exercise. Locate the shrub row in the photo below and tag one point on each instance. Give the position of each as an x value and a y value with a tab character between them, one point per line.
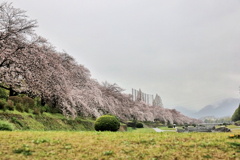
139	125
9	105
22	100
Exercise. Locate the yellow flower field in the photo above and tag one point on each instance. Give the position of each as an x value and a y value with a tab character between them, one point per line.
117	145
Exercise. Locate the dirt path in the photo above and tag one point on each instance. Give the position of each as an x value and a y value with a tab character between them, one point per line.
159	130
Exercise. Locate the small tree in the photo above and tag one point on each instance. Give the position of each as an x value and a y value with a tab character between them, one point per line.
236	114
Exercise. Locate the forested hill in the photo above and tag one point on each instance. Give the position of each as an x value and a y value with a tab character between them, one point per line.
30	65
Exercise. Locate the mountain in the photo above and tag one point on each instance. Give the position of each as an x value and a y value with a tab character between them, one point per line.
185	111
225	108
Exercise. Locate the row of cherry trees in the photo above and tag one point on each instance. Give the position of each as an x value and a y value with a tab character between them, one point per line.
30	65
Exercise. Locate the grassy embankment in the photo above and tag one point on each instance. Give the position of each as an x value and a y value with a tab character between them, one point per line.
138	144
46	121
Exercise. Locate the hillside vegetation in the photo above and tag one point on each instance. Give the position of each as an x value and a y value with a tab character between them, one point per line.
46	122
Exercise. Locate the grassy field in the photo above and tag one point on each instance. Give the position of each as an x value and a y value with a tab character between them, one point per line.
137	144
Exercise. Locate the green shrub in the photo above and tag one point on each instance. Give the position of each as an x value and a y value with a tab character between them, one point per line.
109	114
170	126
3	93
107	123
46	108
41	110
37	101
225	124
19	107
55	110
36	111
28	101
2	104
139	125
9	105
16	99
6	126
26	109
194	125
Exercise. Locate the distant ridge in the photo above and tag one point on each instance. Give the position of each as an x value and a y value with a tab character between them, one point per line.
222	109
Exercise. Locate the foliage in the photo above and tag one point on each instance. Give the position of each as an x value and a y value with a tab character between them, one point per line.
9	105
139	125
186	125
26	108
194	125
3	93
24	150
15	99
28	101
2	104
36	111
19	107
14	119
236	114
5	125
168	123
170	126
107	123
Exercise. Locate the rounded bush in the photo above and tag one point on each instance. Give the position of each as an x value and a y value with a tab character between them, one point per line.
19	107
139	125
16	99
170	126
28	101
107	123
9	105
2	104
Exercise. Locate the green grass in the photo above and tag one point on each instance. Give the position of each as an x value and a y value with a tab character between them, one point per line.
46	121
138	144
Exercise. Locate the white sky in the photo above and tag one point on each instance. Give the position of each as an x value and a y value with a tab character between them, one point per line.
186	51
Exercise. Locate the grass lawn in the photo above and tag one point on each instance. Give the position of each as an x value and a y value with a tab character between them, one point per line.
138	144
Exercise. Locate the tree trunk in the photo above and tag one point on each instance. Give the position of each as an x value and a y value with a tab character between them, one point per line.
12	92
43	102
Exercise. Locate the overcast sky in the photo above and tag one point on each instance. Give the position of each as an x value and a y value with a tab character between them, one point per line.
186	51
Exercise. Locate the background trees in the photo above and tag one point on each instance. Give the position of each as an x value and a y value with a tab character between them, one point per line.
157	101
236	114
